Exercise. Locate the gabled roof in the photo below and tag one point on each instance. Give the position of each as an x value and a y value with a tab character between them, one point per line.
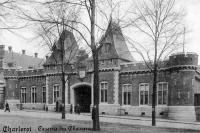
70	46
13	60
114	36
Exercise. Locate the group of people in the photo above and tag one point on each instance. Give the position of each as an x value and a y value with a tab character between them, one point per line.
77	109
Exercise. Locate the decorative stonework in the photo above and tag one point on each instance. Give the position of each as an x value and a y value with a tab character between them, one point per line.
47	90
116	87
66	90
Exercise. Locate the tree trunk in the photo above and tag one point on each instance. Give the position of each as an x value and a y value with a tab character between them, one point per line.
63	95
63	73
96	125
155	71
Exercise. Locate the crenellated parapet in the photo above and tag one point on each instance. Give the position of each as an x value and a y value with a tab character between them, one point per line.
135	66
179	61
13	73
31	72
10	73
183	59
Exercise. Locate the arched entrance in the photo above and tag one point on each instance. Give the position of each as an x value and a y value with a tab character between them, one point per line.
82	97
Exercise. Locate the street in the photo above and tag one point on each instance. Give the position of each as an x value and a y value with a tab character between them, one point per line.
26	122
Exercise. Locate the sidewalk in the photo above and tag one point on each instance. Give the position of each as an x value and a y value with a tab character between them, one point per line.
127	120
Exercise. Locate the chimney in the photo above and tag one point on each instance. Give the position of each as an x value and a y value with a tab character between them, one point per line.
23	52
36	55
10	48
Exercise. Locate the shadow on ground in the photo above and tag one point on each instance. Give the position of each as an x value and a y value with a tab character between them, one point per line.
82	127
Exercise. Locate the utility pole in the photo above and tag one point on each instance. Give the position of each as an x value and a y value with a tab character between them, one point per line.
184	40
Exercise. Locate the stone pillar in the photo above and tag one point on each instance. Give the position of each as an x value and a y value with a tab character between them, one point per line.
66	90
72	98
116	87
92	89
47	90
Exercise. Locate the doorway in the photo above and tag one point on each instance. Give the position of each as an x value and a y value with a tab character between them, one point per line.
83	97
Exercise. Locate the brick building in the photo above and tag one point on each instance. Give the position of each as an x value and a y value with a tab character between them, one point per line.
125	84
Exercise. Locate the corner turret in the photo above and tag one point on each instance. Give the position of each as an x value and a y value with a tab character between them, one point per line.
183	59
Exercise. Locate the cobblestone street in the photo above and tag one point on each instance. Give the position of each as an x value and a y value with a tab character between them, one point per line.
40	124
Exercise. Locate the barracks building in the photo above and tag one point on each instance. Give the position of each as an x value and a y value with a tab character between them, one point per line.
125	84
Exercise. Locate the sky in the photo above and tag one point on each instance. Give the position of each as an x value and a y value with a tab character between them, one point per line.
24	38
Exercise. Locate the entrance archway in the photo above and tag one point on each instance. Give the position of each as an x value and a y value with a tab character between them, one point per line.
82	97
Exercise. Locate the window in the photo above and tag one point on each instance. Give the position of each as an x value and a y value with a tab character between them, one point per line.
127	89
144	93
43	94
104	91
107	47
33	94
102	62
56	92
162	92
179	94
23	95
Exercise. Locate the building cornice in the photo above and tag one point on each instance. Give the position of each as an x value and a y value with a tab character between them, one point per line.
173	68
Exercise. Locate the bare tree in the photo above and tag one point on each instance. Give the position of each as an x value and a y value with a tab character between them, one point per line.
159	24
87	29
53	32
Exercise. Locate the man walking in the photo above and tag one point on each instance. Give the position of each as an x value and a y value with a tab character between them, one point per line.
7	107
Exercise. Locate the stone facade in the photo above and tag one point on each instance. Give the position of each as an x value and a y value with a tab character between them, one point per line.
125	85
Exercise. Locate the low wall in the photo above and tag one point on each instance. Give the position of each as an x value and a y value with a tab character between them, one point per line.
52	107
108	109
161	111
13	104
182	113
37	106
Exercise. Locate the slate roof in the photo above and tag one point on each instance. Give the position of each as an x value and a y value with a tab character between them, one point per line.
13	60
71	49
114	36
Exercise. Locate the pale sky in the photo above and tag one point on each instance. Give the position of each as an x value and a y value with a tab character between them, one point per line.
192	21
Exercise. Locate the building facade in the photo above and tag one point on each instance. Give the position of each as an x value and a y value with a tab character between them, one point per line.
125	84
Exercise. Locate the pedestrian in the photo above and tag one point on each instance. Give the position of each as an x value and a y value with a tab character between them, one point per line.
93	112
7	107
78	109
71	108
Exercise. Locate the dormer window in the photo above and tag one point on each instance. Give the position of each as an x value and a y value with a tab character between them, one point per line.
10	64
30	67
102	62
107	47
